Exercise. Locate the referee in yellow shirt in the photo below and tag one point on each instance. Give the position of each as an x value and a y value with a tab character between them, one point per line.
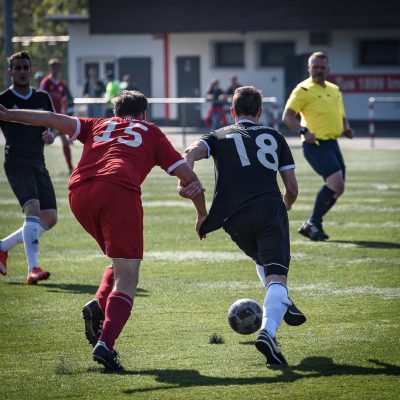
323	120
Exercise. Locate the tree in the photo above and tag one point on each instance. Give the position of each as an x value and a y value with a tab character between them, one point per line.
29	19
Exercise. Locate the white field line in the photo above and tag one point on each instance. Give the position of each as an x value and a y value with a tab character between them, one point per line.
310	290
374	225
327	290
354	208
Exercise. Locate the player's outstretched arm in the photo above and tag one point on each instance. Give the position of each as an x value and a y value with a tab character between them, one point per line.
63	123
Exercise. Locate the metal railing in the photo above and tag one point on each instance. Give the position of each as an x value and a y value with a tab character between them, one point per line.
371	113
271	114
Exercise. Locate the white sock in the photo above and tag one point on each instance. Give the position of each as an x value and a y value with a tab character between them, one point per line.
276	302
16	237
11	240
30	233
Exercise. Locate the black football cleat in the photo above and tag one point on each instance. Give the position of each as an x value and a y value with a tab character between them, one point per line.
267	345
312	231
94	319
294	316
323	233
108	358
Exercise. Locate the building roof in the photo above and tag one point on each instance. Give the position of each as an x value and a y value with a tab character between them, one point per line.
159	16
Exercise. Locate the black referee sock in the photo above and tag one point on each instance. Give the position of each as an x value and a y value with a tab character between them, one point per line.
323	203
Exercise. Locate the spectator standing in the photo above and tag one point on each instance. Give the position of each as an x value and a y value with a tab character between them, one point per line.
25	167
94	88
234	84
215	117
113	89
127	83
58	91
323	120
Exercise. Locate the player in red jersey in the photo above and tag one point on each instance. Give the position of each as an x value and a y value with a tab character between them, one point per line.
57	89
117	155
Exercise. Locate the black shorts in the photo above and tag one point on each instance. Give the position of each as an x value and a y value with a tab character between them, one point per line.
325	158
30	180
263	234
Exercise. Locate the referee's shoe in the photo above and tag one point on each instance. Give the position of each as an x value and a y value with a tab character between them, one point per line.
267	345
312	231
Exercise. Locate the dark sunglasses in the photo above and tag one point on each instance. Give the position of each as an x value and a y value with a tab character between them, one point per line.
21	67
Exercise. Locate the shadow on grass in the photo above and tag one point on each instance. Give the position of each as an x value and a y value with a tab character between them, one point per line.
73	288
311	367
368	244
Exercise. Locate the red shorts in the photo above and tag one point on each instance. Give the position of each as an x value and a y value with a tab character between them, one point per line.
113	215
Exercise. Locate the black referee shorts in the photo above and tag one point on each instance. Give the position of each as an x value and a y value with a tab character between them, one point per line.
30	180
262	232
325	158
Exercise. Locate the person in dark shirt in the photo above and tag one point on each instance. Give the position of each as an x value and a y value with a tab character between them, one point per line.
250	207
215	117
25	167
93	88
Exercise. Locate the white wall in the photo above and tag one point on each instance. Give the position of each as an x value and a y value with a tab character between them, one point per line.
270	80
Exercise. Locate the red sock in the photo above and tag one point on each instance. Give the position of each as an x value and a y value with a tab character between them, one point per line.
105	288
118	310
67	154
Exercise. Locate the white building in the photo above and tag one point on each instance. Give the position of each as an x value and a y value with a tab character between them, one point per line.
173	49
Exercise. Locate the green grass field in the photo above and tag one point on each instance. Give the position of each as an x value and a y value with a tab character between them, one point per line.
349	288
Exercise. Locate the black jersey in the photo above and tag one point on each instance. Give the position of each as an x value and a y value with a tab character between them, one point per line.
247	157
24	141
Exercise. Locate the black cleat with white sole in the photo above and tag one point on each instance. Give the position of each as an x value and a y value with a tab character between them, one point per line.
294	316
312	231
108	358
267	345
94	319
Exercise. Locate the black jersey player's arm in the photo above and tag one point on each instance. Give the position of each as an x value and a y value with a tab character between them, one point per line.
63	123
195	152
291	189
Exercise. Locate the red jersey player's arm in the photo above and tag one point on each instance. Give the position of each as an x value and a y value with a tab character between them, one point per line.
63	123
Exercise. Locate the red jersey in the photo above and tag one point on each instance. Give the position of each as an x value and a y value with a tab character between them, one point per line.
57	91
121	151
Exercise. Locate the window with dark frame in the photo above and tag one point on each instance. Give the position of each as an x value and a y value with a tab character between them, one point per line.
379	52
274	54
229	54
109	67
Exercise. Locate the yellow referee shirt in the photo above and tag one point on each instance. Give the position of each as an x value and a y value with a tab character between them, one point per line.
321	108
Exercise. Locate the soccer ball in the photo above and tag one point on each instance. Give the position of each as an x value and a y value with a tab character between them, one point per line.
245	316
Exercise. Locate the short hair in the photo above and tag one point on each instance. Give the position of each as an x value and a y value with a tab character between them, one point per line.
18	56
130	103
247	100
318	54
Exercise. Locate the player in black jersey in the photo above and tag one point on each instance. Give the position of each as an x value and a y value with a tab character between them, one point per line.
25	167
248	204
